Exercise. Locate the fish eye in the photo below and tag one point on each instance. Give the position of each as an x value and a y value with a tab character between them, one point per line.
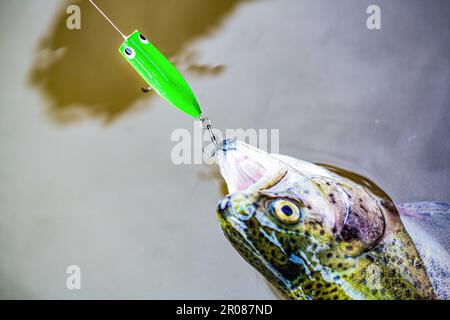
286	211
129	52
143	38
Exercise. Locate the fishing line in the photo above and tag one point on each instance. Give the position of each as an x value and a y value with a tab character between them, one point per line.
108	19
162	77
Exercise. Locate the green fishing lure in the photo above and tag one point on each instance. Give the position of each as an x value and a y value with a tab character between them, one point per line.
157	71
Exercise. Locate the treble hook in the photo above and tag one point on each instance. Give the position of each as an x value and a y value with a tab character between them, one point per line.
205	123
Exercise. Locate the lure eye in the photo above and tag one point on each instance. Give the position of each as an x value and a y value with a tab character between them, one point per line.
129	52
143	38
286	211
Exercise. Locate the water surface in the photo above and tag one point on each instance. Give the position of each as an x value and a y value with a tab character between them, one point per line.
85	171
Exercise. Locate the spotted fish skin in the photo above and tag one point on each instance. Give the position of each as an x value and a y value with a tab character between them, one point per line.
348	242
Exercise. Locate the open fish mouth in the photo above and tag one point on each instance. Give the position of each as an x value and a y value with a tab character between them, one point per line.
245	167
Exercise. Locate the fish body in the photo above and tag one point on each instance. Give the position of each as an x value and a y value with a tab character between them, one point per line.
317	232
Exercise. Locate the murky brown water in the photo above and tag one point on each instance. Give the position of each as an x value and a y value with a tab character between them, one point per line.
109	198
83	70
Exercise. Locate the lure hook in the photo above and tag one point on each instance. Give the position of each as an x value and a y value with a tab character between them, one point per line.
206	124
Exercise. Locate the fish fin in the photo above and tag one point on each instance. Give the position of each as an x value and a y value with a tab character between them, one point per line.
432	217
428	225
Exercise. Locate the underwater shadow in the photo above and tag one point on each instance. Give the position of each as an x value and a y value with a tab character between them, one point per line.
82	70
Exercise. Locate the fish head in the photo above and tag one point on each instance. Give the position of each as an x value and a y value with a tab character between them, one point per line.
300	226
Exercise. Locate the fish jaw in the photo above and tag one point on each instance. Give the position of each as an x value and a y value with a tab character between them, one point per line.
248	170
243	166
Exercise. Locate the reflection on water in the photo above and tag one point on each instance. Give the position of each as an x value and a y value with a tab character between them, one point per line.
205	69
82	68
